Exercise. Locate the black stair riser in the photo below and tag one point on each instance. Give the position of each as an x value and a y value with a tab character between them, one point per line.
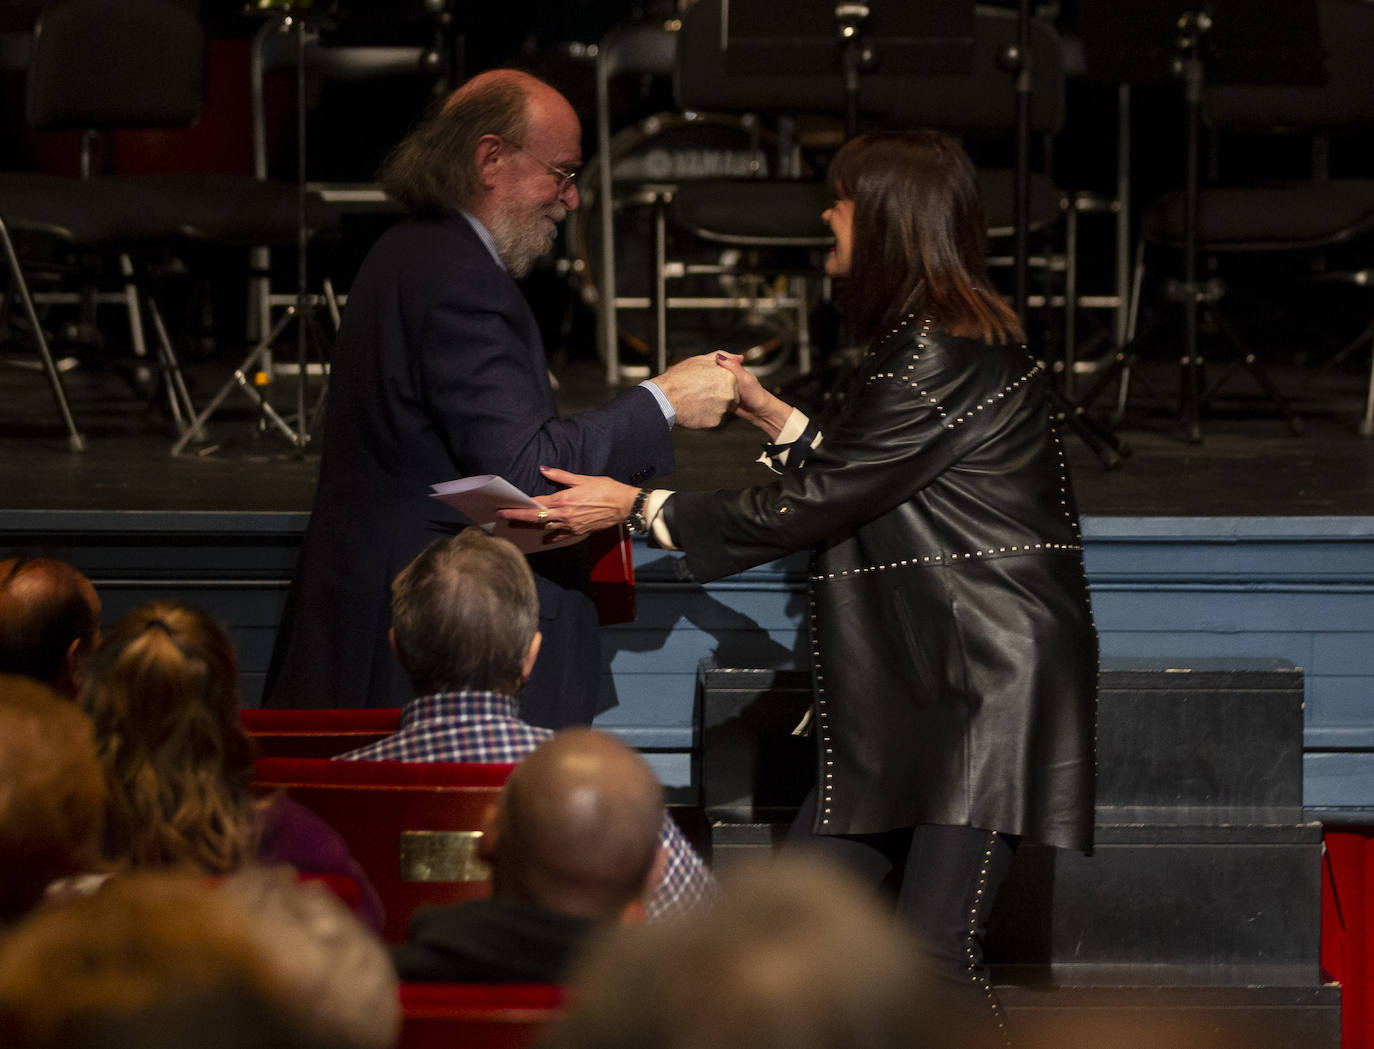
1189	904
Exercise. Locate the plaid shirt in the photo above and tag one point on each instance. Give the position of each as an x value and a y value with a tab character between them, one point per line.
484	726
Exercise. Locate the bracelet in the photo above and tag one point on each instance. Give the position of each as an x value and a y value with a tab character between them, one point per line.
635	520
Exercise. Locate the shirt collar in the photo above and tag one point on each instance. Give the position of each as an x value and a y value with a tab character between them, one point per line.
459	706
484	235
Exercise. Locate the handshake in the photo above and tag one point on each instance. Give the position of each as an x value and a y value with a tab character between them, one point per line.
700	390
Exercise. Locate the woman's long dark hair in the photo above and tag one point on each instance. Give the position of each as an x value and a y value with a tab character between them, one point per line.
919	236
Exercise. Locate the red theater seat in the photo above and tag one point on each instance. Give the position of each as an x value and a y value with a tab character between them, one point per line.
475	1015
317	733
412	826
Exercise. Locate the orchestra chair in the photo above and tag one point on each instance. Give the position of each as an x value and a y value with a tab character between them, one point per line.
287	42
1310	220
315	733
476	1015
974	105
646	48
412	826
276	49
91	65
98	65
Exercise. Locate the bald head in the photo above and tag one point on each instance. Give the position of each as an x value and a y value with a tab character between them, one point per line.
528	86
577	830
49	621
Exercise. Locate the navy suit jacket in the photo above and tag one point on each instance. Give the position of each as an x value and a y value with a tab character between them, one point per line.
438	373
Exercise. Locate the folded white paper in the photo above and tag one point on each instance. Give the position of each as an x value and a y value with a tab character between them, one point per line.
480	496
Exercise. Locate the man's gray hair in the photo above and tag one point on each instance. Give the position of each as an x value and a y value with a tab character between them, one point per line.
464	612
433	171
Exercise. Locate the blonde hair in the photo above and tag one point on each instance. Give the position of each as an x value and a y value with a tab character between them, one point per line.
163	693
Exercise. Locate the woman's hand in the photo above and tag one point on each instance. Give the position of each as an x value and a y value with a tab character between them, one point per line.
588	504
763	409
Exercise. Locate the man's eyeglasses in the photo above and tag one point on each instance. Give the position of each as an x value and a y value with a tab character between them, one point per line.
565	178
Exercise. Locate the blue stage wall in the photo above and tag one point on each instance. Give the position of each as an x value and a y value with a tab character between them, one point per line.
1181	588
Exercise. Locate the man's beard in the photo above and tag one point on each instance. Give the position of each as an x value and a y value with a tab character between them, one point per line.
523	239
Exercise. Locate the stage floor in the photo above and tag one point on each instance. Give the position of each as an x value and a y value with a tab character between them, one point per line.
1247	465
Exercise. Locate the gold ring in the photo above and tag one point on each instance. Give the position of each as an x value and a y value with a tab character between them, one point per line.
542	515
549	526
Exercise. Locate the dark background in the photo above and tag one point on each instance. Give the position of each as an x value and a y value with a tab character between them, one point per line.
352	126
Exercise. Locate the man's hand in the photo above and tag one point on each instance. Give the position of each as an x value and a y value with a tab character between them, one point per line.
700	391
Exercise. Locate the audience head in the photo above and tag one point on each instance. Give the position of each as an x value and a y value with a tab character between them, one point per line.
49	621
577	827
794	955
140	941
337	974
918	235
163	692
499	148
465	615
52	793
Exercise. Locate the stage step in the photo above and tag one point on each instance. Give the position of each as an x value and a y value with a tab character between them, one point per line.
1196	920
1177	1017
1248	896
1203	733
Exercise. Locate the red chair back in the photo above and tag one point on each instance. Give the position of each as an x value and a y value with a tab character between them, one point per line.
476	1015
317	733
413	827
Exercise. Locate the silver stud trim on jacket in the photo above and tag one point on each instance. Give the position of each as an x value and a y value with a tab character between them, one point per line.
980	980
826	785
949	558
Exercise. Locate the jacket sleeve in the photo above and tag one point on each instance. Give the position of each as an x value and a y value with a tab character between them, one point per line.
905	427
483	378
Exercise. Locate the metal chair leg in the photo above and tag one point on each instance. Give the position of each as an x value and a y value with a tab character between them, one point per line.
1367	423
75	441
178	396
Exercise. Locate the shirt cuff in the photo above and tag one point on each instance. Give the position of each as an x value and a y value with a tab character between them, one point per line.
774	454
793	428
653	513
665	405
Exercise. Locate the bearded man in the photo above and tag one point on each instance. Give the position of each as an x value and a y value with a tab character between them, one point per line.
439	372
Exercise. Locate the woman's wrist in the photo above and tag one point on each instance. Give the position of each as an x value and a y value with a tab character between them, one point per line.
772	417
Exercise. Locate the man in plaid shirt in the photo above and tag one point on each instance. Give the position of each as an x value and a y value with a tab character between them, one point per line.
465	622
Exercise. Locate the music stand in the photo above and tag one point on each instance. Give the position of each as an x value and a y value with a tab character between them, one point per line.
1234	42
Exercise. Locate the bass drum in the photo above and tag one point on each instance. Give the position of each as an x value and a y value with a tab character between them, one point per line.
657	154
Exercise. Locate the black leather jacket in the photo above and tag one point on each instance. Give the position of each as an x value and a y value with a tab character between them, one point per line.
953	647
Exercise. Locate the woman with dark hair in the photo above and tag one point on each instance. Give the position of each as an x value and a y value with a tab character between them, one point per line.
953	649
163	692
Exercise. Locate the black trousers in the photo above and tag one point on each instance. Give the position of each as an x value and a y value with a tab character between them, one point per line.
945	880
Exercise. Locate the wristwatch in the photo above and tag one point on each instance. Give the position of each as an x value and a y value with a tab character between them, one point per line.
636	522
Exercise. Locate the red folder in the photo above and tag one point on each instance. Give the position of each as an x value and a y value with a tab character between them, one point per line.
613	575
